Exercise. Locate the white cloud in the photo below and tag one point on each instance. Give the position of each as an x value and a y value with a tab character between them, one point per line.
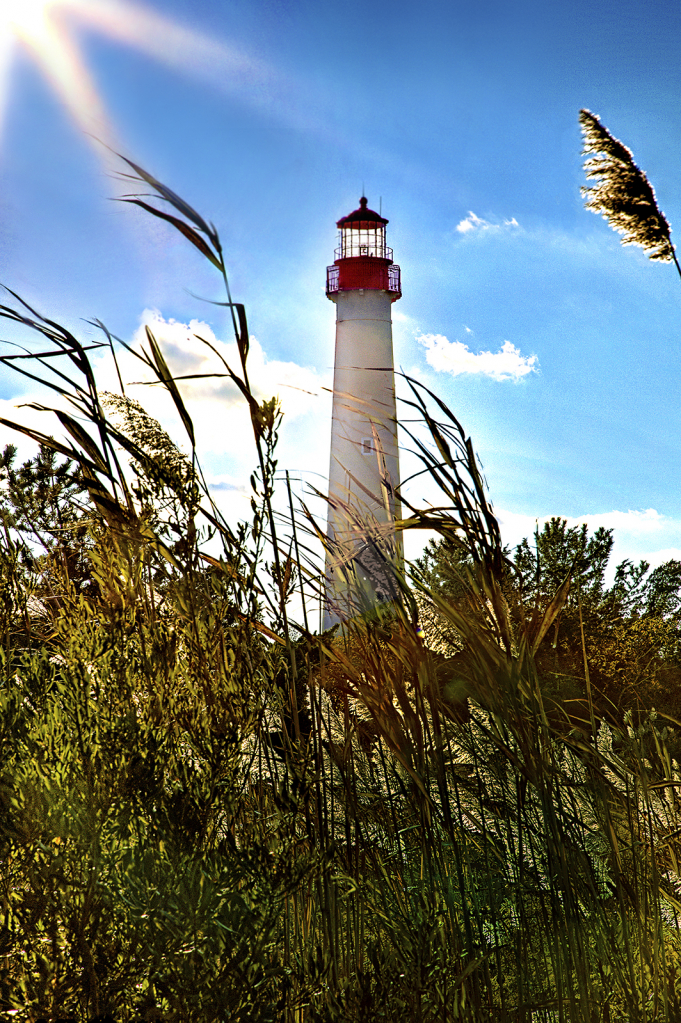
639	535
232	495
638	524
218	410
475	223
217	407
224	436
661	557
15	411
183	348
472	223
456	358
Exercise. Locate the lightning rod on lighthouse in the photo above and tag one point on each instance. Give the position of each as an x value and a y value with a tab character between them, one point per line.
362	544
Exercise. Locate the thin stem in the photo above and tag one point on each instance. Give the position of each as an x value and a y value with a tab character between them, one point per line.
676	262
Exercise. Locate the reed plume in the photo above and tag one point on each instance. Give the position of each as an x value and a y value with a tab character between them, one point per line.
622	193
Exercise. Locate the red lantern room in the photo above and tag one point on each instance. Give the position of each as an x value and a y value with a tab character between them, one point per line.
363	260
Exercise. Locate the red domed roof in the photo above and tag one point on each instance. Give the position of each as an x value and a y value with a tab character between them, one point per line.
361	214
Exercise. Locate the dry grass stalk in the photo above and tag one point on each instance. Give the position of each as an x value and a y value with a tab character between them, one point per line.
622	193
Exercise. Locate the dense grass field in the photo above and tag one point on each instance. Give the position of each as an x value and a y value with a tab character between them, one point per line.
461	806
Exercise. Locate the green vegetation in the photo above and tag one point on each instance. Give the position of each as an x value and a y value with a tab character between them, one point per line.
631	629
209	813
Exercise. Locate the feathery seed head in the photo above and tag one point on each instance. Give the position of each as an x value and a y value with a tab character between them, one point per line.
622	193
163	458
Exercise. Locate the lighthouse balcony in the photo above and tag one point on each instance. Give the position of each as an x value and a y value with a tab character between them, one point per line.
363	272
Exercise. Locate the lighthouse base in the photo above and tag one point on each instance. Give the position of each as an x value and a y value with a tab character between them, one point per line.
361	573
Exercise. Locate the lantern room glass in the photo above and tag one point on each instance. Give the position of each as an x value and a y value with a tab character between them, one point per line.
362	238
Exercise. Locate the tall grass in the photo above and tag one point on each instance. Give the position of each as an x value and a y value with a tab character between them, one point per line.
209	812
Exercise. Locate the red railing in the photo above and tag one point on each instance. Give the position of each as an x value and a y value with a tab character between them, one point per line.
332	278
394	281
357	274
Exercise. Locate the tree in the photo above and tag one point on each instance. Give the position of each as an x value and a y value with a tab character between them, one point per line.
631	628
559	550
47	514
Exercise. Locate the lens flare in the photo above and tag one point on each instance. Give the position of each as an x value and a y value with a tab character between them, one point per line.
44	29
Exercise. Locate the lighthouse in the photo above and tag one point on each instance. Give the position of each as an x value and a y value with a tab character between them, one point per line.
362	543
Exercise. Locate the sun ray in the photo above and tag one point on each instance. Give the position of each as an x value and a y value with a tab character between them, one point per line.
37	28
47	30
63	66
6	50
218	63
171	43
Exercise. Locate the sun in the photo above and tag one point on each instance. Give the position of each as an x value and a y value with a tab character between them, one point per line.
25	18
44	31
37	27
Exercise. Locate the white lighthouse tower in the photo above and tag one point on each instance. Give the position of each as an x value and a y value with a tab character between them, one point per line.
364	471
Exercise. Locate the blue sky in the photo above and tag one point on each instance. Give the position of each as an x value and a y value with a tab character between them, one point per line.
270	116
